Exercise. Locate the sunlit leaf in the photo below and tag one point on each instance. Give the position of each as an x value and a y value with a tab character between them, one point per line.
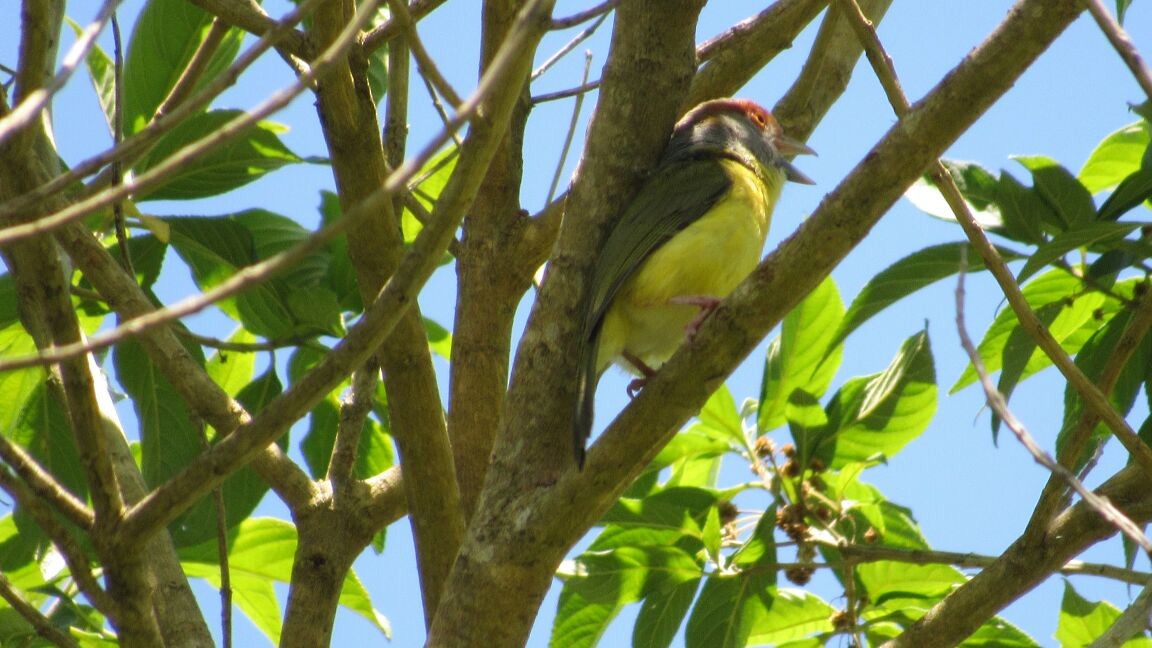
242	159
804	357
1116	157
1070	201
908	275
166	35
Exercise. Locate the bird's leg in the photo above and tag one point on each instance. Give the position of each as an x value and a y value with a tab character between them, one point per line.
706	304
636	385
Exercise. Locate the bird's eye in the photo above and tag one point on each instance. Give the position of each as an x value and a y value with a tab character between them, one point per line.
759	119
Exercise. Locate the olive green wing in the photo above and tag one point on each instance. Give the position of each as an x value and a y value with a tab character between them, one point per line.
675	196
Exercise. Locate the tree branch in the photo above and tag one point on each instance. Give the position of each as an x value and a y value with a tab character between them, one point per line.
1026	564
381	34
250	17
139	143
1123	45
170	499
40	482
826	71
34	88
733	57
648	71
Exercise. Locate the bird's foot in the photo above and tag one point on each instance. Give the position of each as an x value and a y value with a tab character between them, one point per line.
706	304
646	372
635	386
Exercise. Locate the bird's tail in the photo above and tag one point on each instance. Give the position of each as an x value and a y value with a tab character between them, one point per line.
587	378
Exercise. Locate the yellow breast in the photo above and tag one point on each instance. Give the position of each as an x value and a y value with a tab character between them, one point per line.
708	258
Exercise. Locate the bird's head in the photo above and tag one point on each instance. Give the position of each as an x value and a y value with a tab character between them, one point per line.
737	128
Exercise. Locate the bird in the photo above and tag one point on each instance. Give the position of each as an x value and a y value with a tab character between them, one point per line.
694	231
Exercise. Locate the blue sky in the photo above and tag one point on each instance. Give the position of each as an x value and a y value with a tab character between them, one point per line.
968	494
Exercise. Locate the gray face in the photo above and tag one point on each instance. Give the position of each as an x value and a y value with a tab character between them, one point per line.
730	133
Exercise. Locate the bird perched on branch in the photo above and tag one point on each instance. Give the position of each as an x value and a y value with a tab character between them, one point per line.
694	231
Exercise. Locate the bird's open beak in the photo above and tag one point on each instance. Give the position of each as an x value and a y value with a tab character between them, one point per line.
790	147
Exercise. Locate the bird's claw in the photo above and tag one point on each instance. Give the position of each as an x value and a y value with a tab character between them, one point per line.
635	386
705	303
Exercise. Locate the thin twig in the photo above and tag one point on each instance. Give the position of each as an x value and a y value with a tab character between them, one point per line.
1053	495
600	10
247	276
1095	399
996	401
69	549
30	106
250	17
381	34
117	139
571	131
354	410
239	347
434	97
568	47
44	485
40	623
428	68
221	548
138	143
874	553
564	94
194	71
1123	45
418	263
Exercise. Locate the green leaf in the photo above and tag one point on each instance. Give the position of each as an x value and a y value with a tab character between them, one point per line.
215	248
1070	201
232	370
1116	157
1022	209
427	187
18	387
883	579
439	339
759	550
166	35
666	516
875	416
608	581
794	614
1121	9
1082	621
710	534
906	276
729	608
341	275
662	614
892	524
804	357
1079	235
1069	321
1132	190
244	489
242	159
260	551
998	633
168	437
977	186
1093	357
720	418
101	71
